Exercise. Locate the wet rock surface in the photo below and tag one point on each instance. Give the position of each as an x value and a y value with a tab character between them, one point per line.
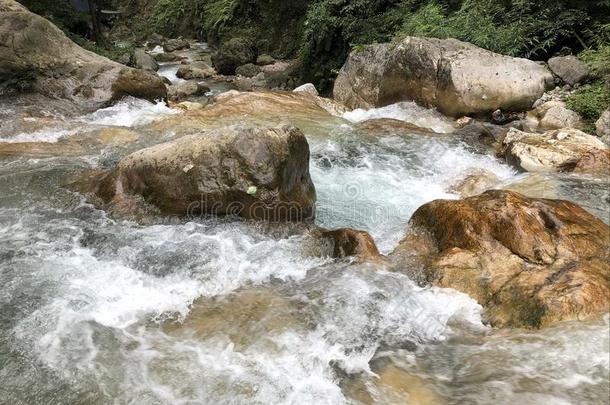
557	150
529	262
254	173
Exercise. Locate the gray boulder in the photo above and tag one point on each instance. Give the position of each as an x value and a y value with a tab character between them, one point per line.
144	61
557	150
456	77
255	173
182	91
248	70
35	51
176	44
231	54
195	70
570	69
558	116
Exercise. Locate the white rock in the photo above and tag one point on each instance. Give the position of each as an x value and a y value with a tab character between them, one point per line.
307	88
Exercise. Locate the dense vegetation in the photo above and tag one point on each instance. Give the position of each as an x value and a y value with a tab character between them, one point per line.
592	99
323	32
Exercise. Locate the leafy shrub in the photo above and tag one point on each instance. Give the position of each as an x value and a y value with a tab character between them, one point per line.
113	52
591	100
519	28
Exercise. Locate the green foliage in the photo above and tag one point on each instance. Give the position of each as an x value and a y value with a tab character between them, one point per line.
598	61
114	52
591	100
519	28
219	13
172	17
527	28
333	28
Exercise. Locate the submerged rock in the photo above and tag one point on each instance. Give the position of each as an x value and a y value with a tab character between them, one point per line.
245	317
529	262
254	173
391	385
347	242
36	52
456	77
475	182
557	150
570	69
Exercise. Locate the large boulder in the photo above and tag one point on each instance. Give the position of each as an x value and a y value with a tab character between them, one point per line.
529	262
195	70
248	70
233	53
269	108
167	57
456	77
179	92
557	150
570	69
144	61
35	51
252	172
172	45
552	114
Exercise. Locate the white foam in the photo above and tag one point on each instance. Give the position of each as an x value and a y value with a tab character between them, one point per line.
49	135
129	112
405	111
377	186
169	71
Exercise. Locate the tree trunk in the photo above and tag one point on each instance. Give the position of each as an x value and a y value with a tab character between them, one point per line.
95	23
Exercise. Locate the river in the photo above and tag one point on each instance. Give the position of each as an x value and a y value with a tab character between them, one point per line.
98	310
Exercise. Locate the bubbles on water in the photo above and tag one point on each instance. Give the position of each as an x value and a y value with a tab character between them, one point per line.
169	71
129	112
50	135
377	185
407	111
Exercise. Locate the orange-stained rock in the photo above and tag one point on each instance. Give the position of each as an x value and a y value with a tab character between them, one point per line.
595	162
529	262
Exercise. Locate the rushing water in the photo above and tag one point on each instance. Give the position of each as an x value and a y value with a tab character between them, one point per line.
95	310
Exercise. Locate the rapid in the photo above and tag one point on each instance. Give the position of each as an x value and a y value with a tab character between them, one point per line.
98	310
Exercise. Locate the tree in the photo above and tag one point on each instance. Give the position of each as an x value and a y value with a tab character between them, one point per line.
94	11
